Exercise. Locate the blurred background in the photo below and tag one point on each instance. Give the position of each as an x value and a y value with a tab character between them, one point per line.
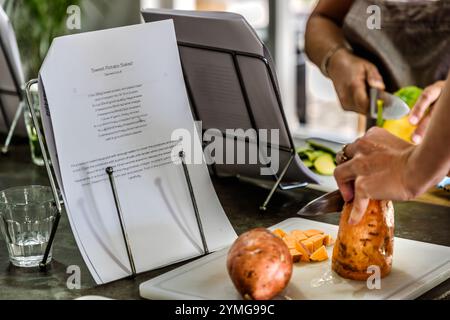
310	102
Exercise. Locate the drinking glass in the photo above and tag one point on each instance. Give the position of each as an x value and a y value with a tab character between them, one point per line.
26	219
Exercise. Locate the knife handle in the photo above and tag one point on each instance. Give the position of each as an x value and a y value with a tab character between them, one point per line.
373	106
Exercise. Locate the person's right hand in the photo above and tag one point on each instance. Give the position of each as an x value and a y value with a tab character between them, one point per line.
350	75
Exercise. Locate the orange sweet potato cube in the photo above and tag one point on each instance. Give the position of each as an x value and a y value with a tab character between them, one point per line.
320	254
298	235
308	244
304	251
296	255
328	240
312	232
290	241
317	241
279	233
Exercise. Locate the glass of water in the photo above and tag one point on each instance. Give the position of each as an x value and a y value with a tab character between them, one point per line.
26	219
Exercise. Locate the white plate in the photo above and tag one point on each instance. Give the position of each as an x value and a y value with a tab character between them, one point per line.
417	268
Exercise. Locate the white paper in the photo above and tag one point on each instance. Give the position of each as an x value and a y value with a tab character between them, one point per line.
129	77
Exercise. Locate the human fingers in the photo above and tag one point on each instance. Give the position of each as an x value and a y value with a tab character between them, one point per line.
419	133
374	78
360	97
426	99
360	203
344	177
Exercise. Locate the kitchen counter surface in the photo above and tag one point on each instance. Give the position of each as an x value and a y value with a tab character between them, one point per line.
418	221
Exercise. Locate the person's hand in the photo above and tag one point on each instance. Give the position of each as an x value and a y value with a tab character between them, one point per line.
421	112
376	169
350	75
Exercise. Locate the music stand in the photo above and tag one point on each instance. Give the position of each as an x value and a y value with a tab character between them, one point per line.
225	50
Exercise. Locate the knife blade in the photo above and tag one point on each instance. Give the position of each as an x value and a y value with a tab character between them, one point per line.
328	203
393	106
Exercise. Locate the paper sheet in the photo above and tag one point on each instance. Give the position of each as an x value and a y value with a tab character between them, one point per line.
115	97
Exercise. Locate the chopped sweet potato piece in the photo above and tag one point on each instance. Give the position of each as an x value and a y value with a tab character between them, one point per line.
296	255
304	251
312	232
290	241
308	244
317	241
320	254
298	235
279	233
328	240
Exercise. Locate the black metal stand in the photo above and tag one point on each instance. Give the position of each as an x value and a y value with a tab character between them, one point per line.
48	167
16	92
291	149
110	172
194	202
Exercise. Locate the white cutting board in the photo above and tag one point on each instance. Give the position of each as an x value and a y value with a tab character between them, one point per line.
417	268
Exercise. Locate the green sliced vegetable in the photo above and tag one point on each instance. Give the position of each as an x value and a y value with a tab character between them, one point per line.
313	155
409	95
325	165
318	157
318	146
308	163
301	150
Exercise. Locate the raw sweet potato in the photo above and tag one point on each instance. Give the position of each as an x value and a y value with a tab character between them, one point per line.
369	243
290	241
259	264
304	251
312	232
279	233
303	244
296	255
317	241
320	254
298	235
309	245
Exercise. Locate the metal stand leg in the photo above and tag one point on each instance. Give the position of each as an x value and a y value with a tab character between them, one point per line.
3	112
13	127
49	173
194	203
277	183
43	264
110	172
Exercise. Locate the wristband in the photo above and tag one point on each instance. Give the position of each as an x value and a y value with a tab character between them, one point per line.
330	54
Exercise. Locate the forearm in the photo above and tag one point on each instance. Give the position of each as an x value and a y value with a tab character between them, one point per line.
430	161
322	35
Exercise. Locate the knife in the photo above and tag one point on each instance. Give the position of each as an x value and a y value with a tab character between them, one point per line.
328	203
393	106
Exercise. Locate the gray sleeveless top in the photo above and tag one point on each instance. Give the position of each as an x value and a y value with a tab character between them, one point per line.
413	45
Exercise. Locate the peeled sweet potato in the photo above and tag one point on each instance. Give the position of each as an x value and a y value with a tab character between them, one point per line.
320	254
302	244
369	243
259	264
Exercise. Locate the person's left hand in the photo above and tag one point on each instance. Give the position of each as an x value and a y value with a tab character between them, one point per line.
421	112
376	169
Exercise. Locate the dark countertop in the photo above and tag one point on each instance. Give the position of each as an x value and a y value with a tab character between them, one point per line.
414	220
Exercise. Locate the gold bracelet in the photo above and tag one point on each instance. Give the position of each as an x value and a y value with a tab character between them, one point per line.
330	54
